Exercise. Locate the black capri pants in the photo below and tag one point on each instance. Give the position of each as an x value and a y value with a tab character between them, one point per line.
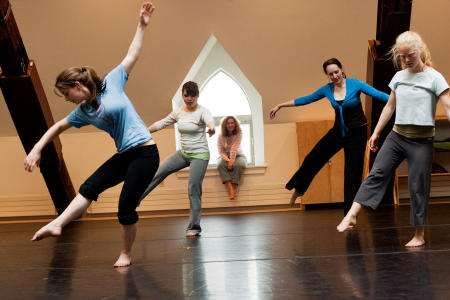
136	167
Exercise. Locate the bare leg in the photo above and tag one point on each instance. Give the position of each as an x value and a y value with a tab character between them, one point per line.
129	234
231	190
349	220
418	238
75	209
294	197
235	186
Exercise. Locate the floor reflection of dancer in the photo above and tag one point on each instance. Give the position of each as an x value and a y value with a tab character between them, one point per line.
104	104
415	92
349	131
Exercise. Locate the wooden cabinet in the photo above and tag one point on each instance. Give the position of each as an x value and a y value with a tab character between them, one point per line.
328	185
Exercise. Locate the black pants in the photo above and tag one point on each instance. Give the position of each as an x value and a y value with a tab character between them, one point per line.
354	144
136	167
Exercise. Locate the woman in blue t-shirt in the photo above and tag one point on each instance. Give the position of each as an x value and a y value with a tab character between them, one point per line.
104	104
349	131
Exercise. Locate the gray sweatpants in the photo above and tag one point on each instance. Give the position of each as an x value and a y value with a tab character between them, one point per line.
234	175
419	153
197	170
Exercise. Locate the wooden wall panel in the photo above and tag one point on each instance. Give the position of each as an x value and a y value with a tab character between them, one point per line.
328	185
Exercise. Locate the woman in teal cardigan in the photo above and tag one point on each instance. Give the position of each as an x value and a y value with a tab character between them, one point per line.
349	131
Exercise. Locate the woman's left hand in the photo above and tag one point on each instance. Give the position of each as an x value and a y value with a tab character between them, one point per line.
146	12
230	165
211	131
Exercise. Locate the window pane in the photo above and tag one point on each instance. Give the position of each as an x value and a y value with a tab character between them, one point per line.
246	143
212	143
222	96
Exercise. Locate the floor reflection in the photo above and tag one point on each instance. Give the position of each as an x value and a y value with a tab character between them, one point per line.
283	255
356	276
62	265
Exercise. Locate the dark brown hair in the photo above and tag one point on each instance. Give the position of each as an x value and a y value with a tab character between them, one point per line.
84	75
191	89
333	61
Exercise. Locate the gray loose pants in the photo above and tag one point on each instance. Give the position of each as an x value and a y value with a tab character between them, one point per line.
197	170
234	175
419	153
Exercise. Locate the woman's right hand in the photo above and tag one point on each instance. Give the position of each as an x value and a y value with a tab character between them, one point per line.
373	142
32	160
145	13
273	111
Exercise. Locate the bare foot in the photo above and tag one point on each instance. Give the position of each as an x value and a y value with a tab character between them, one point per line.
192	234
416	241
231	194
124	260
231	190
294	197
46	231
347	223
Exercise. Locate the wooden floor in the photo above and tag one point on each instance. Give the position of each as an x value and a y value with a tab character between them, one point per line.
277	255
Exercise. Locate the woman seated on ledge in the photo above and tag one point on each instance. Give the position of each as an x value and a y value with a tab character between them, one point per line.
232	160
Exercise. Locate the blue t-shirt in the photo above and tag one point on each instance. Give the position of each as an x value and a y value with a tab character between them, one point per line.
115	114
354	87
416	95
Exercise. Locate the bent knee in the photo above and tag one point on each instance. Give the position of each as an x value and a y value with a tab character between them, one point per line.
379	173
89	191
127	218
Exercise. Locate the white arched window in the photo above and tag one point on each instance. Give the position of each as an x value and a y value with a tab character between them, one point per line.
224	97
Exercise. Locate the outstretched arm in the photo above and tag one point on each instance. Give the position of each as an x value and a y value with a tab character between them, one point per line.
163	123
373	92
33	158
317	95
274	110
136	45
385	116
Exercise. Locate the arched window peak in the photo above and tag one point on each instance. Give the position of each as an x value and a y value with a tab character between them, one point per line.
223	96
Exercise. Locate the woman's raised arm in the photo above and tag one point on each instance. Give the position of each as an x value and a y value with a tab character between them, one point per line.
136	45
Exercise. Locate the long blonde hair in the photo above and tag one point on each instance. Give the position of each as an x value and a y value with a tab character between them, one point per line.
223	126
410	39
